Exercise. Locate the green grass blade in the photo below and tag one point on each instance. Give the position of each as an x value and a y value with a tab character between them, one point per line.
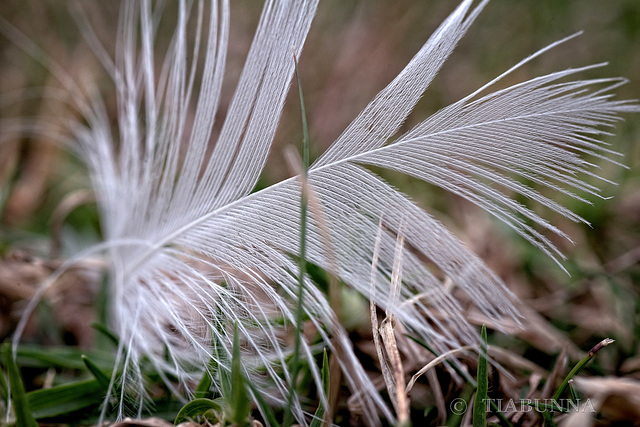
480	402
574	394
467	378
96	372
581	364
459	407
106	334
238	402
4	387
224	369
198	409
265	409
503	420
34	356
105	339
67	398
21	406
318	417
576	369
204	386
295	364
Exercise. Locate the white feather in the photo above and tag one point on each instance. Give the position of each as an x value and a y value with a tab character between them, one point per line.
193	250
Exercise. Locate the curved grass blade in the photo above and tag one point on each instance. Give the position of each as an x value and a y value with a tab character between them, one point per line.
195	410
581	364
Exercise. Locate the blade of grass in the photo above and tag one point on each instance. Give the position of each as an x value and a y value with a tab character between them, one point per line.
576	369
197	408
204	386
460	407
213	367
105	338
318	417
96	372
202	391
4	387
106	334
505	422
265	409
295	364
480	402
574	394
239	401
21	405
225	373
67	398
581	364
34	356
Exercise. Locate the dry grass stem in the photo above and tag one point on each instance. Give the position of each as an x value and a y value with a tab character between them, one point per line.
435	362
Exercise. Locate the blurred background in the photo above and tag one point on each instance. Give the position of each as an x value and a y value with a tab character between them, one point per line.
354	49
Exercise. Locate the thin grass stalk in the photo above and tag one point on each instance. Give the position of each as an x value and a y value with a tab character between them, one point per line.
581	364
295	365
480	402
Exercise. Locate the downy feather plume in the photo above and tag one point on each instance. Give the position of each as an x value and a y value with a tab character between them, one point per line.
193	250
